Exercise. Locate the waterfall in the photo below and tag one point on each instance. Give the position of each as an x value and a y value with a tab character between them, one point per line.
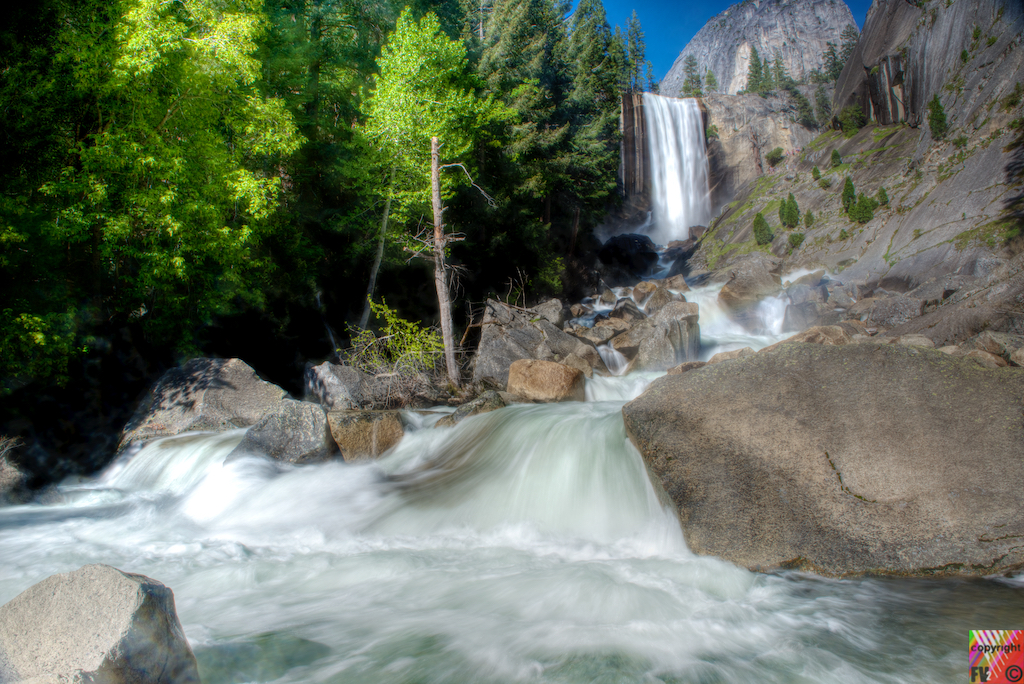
680	193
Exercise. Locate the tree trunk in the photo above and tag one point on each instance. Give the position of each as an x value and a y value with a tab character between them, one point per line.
365	318
444	303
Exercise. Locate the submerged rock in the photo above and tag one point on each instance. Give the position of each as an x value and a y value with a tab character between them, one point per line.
293	432
865	458
485	403
364	435
545	381
202	394
96	624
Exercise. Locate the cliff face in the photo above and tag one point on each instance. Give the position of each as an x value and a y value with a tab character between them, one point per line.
798	29
947	194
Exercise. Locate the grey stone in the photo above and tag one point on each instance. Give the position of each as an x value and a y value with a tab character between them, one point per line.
96	624
627	311
843	460
485	403
293	432
666	339
553	310
798	294
545	381
731	355
202	394
338	387
808	315
893	311
510	334
659	299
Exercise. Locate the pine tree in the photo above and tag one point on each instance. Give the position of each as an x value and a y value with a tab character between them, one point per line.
847	42
849	194
792	212
636	48
815	173
808	219
837	160
767	80
833	64
762	231
883	197
754	72
692	81
936	118
779	73
821	99
710	82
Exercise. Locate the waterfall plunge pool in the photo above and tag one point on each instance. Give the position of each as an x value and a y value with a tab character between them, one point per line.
523	545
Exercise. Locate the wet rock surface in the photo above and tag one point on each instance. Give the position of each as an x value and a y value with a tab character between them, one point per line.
545	381
864	458
365	435
95	624
292	432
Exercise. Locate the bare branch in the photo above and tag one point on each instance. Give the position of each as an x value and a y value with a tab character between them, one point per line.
490	200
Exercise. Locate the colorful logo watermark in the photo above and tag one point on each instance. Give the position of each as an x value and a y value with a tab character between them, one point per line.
997	656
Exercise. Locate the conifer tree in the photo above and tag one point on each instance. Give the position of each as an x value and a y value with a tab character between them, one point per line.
833	64
754	73
808	219
847	42
849	194
710	82
762	231
883	197
824	105
635	47
837	159
692	80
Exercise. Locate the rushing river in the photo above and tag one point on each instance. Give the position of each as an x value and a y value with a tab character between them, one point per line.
523	545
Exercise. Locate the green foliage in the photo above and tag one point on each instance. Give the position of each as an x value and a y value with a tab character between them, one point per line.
976	33
712	131
635	48
774	156
883	197
692	84
815	173
836	159
710	82
795	240
851	120
1013	98
833	66
789	212
808	219
825	183
849	194
864	209
804	111
960	142
843	235
936	118
755	73
965	56
402	345
762	231
848	41
991	41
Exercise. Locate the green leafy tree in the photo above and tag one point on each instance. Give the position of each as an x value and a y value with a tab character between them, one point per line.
795	240
425	94
815	173
792	213
774	156
883	197
836	159
937	118
849	194
762	231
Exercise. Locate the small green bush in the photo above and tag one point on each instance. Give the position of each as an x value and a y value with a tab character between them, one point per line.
960	142
836	158
762	231
864	210
403	345
825	183
815	173
937	118
808	219
795	240
976	33
1014	98
883	197
849	194
774	157
851	120
843	235
991	41
965	56
789	212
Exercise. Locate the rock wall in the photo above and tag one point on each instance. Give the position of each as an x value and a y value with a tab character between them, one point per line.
798	29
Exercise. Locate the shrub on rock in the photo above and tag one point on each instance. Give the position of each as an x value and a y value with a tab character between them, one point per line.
762	231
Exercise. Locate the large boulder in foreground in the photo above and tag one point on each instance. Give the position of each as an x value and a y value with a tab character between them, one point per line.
546	381
864	458
202	394
292	432
96	624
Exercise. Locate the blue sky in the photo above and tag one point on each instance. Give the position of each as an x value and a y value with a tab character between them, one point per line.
670	24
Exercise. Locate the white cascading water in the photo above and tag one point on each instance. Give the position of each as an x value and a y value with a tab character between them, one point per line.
680	195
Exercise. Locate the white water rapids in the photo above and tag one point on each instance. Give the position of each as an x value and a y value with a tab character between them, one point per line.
523	545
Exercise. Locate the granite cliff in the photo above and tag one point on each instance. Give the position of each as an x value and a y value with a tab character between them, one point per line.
798	29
